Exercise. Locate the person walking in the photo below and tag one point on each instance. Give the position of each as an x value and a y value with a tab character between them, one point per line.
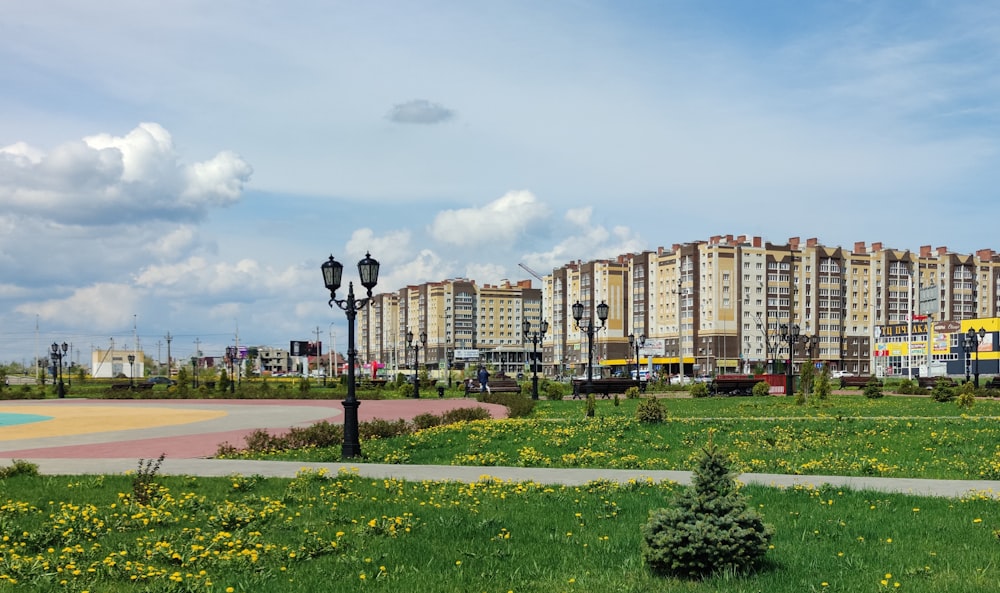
484	380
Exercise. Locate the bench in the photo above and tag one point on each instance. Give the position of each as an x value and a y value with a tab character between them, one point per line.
497	385
993	383
605	387
931	382
733	385
857	382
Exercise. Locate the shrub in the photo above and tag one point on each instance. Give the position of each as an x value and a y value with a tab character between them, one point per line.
464	415
426	420
943	391
144	486
554	391
518	406
709	528
381	429
591	405
405	390
966	399
320	434
650	411
761	388
632	393
20	467
873	388
699	390
821	384
909	387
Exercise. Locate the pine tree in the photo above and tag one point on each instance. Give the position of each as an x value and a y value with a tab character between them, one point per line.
709	527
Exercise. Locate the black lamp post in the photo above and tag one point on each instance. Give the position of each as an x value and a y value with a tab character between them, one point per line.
789	335
590	329
332	273
131	371
535	338
57	362
768	348
194	371
636	345
416	359
972	340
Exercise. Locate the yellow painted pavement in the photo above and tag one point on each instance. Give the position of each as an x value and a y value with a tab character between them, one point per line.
72	420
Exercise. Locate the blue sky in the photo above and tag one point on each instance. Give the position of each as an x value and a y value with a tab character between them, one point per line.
187	166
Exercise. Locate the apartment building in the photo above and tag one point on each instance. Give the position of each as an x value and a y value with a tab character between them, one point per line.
719	305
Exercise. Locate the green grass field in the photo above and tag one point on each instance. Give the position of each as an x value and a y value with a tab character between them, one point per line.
848	435
346	533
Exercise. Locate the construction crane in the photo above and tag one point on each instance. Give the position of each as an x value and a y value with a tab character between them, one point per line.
532	272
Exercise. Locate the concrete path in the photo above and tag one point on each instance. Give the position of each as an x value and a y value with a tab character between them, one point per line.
86	437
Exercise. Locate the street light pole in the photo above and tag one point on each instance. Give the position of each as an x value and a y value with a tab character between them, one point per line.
637	344
590	330
535	338
332	274
974	339
131	371
789	335
57	362
416	359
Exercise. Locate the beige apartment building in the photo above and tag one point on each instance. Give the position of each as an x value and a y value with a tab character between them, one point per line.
720	305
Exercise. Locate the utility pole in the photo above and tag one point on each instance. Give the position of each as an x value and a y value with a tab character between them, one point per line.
169	361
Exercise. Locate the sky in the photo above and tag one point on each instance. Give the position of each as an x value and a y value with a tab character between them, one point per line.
185	167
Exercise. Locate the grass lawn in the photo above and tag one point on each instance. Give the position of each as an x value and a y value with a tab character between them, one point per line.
346	533
913	437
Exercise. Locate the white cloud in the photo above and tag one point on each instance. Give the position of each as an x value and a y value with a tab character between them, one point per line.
99	307
105	180
503	220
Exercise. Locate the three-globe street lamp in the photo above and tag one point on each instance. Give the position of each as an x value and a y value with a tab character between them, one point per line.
789	335
973	340
590	329
57	354
416	359
332	273
637	344
535	338
131	371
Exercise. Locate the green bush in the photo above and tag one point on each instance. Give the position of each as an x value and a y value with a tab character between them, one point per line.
382	429
20	467
651	411
966	399
909	387
873	388
632	393
554	390
518	406
591	405
320	434
699	390
426	420
710	528
761	389
943	392
464	415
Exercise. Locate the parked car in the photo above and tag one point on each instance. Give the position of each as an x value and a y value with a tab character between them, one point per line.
161	381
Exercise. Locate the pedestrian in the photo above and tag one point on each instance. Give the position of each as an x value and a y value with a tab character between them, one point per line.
484	380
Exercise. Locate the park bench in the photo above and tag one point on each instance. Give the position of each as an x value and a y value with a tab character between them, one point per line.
856	382
733	385
993	383
605	387
501	384
931	382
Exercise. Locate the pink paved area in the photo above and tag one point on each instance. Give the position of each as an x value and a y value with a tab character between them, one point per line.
202	439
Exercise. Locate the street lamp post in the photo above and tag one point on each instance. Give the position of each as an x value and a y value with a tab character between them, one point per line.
332	273
416	359
535	338
590	329
973	340
57	361
637	344
789	335
194	371
131	371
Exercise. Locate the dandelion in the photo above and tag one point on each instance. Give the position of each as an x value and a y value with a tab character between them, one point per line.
977	520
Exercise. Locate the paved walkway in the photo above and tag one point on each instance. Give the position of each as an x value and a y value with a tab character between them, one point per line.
80	436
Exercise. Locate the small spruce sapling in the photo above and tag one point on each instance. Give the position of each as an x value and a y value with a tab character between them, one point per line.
709	528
